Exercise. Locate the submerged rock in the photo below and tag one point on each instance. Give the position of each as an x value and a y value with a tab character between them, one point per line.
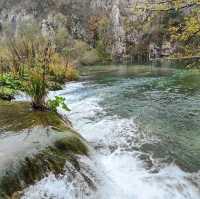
33	144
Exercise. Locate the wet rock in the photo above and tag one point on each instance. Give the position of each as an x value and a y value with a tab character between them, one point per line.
33	144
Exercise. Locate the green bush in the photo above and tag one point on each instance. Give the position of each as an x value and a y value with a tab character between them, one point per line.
9	81
79	48
61	38
7	93
103	53
57	102
36	88
90	58
72	73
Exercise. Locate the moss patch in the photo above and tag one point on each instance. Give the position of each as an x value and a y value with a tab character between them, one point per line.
19	116
33	144
32	169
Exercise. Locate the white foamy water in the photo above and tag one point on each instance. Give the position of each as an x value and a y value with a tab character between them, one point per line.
116	169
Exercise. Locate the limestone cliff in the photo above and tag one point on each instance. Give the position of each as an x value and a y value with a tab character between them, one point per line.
77	13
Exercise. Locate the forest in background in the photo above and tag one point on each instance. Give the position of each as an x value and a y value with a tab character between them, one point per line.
38	54
133	30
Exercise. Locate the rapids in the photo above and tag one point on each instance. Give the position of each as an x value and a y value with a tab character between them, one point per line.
143	123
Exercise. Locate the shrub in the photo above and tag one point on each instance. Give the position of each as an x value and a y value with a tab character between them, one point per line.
61	70
61	38
30	63
103	53
7	93
104	25
4	58
28	28
90	58
80	47
71	73
36	64
9	81
57	102
57	68
24	51
36	88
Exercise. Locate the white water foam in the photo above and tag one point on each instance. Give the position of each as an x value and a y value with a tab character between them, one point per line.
61	187
120	172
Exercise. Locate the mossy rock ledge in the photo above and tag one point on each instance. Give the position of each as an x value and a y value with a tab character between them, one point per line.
33	144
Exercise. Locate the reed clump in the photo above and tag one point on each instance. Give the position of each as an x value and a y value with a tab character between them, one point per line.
34	64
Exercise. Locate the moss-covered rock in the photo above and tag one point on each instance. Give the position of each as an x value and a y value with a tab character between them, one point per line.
33	144
6	93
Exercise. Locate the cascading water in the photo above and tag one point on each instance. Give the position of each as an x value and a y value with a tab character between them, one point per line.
119	169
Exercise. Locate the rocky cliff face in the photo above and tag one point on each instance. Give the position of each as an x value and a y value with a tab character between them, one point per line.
76	16
76	12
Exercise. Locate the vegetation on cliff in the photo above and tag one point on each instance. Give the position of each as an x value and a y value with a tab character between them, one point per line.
43	58
176	22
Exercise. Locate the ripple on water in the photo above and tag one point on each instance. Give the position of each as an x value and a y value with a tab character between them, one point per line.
119	169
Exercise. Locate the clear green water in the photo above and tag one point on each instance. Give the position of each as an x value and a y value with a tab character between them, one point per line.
164	102
143	123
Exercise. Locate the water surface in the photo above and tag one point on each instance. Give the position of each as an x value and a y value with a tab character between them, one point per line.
144	123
